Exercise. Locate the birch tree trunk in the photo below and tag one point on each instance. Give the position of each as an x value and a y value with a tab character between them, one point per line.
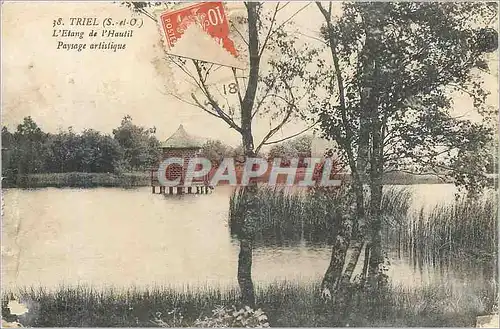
250	208
340	244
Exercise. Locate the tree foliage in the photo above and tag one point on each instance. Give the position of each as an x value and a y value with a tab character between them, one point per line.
26	145
29	150
299	147
216	151
393	72
400	65
141	149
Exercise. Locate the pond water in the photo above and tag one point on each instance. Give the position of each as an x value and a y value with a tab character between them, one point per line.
130	237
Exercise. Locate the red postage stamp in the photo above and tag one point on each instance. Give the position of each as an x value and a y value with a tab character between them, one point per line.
209	16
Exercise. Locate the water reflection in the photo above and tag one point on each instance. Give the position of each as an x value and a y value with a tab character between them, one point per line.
123	237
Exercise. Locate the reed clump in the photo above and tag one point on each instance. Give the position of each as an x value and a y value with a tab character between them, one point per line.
467	227
290	216
287	217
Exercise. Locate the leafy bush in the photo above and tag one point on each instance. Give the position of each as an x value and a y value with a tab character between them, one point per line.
232	317
222	317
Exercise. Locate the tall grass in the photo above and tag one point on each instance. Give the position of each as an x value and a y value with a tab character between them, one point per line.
465	228
287	304
311	216
395	205
288	217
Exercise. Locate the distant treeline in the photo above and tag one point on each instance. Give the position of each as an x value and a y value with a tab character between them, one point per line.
29	150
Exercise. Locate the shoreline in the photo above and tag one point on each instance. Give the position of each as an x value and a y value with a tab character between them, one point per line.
79	180
143	179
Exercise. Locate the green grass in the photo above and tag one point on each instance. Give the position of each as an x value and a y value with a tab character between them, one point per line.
287	304
80	179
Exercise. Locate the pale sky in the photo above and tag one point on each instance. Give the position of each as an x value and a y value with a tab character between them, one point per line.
95	89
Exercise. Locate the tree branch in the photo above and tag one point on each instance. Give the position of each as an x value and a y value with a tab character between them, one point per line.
177	97
266	39
266	94
204	107
140	10
340	82
289	18
237	86
310	36
291	136
239	33
292	16
184	69
291	106
216	107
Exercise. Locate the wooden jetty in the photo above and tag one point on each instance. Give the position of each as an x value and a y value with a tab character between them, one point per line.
191	189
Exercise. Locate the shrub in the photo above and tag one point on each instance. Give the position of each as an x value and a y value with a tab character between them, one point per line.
222	317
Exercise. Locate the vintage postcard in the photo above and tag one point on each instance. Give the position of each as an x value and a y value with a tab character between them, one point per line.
249	164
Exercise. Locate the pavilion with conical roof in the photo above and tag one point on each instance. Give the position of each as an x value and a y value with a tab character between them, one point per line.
181	140
179	145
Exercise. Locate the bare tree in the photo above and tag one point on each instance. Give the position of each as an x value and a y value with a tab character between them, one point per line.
276	84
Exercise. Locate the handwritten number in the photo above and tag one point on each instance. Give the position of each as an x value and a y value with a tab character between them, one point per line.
232	88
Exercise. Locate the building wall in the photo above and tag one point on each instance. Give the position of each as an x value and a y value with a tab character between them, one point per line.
174	171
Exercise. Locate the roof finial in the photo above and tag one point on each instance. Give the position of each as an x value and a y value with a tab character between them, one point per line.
181	139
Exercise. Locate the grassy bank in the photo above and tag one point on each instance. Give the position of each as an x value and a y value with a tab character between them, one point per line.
286	304
402	178
79	179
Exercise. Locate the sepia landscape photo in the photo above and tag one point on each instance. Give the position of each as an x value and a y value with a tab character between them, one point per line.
249	164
